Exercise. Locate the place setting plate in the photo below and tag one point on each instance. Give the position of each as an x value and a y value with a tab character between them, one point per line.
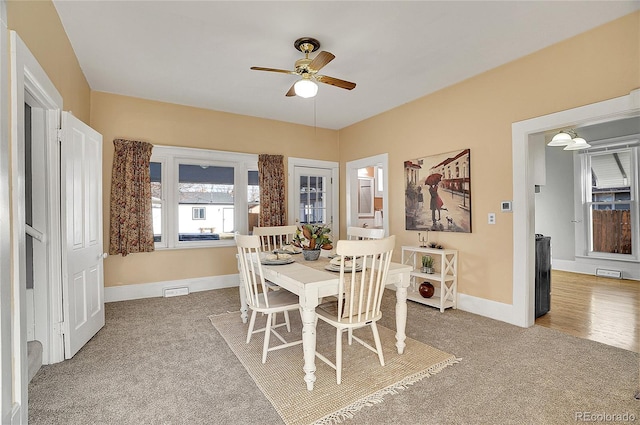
334	265
277	259
288	249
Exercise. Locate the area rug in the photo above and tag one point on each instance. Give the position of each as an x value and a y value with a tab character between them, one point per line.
364	381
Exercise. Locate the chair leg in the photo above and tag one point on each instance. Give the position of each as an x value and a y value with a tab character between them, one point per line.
376	337
286	320
338	356
267	334
350	335
252	322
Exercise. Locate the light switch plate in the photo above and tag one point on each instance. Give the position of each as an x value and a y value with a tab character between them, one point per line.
492	218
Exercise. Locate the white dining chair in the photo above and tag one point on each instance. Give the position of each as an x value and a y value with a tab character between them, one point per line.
275	237
260	299
364	233
362	290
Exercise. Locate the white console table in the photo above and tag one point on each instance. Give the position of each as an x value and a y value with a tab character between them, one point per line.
444	279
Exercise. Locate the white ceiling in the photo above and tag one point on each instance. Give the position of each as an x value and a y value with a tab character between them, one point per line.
198	53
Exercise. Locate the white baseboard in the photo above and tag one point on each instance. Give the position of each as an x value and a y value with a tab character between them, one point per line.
630	270
155	289
486	308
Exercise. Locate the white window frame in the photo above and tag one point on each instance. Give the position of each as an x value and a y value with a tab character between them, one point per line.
584	204
171	157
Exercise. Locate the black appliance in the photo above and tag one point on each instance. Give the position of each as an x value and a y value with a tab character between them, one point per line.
543	274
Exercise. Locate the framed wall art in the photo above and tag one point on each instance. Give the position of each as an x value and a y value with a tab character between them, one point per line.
438	192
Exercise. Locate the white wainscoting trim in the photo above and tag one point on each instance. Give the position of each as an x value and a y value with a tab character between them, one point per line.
487	308
155	289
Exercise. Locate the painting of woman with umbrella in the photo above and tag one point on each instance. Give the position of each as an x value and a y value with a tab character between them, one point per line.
436	203
448	178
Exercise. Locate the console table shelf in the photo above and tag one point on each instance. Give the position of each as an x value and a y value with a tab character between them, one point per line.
444	280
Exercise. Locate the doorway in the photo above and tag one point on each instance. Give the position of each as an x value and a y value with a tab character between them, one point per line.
370	210
312	194
523	134
35	223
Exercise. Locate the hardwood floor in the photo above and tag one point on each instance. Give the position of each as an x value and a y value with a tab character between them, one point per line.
596	308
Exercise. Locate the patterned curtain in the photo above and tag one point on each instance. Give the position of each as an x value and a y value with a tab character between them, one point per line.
131	216
272	200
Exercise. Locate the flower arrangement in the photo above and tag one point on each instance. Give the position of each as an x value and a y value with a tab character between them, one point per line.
313	236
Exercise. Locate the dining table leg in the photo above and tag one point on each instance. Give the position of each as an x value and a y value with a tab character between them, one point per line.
401	311
308	304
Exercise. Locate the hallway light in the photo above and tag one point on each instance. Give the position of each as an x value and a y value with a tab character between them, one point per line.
577	144
569	139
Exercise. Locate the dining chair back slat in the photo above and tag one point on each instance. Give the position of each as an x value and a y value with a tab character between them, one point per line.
254	283
363	290
275	237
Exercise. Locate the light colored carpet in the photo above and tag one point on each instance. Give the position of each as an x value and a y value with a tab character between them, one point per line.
159	361
364	381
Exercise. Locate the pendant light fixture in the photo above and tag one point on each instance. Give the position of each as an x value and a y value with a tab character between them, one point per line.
570	140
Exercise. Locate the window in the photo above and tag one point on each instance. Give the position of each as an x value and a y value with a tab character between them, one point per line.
198	213
197	196
313	199
610	201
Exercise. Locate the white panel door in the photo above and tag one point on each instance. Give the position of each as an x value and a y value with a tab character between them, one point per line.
82	257
313	196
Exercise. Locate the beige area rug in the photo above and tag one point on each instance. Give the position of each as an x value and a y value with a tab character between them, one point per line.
364	381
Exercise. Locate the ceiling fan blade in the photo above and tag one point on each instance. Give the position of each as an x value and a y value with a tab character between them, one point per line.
335	82
321	60
283	71
292	91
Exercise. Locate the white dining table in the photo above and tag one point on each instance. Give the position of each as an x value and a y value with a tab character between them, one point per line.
312	284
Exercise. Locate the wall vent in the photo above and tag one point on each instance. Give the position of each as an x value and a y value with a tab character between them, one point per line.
609	273
174	292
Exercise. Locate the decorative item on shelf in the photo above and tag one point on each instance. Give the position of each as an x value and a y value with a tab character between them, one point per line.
435	246
427	264
426	290
311	238
423	241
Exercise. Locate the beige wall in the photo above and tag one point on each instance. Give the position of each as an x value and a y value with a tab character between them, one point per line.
160	123
38	25
600	64
476	114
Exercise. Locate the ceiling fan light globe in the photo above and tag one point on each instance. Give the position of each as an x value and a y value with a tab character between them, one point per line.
305	88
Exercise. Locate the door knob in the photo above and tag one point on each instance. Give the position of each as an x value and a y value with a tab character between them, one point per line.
103	255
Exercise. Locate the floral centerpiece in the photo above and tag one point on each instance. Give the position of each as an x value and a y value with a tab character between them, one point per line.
312	237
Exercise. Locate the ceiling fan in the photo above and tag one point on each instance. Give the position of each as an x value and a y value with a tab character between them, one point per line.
308	68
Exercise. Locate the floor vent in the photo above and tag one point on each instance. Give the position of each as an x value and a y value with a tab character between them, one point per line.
174	292
609	273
